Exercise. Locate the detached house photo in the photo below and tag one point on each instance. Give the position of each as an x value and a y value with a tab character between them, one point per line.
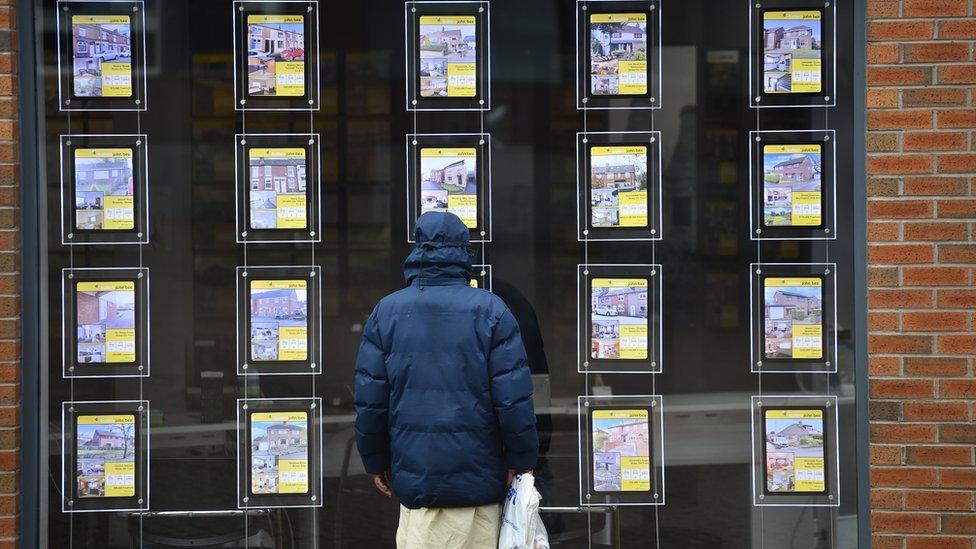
784	175
784	309
785	40
443	176
611	43
271	310
274	442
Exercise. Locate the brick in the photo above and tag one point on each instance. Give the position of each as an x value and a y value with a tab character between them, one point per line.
884	410
958	478
902	164
938	542
884	232
887	499
883	53
956	118
939	321
935	411
886	454
934	8
957	163
900	119
935	141
903	477
899	76
902	432
883	142
957	344
957	432
882	97
958	388
939	455
903	522
964	208
935	276
882	186
933	97
882	276
936	52
935	366
884	365
957	253
934	231
883	9
938	500
899	299
957	299
880	31
957	74
959	524
900	254
900	209
887	542
895	388
883	322
963	29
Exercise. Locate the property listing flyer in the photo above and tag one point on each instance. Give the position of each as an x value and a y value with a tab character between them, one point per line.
449	182
102	55
795	460
279	320
106	320
279	453
793	317
792	188
618	186
618	312
104	197
618	53
106	456
276	55
621	451
448	66
278	198
792	52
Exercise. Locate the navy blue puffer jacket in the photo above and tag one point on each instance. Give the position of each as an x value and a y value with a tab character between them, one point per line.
443	388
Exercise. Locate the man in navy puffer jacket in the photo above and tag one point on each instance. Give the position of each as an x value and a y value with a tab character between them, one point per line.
444	411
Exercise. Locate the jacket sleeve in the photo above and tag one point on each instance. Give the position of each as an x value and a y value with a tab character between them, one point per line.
511	394
372	401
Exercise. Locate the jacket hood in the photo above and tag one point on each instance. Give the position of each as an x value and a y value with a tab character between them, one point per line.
442	254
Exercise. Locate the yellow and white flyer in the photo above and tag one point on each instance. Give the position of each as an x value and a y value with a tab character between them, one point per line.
795	460
448	56
618	54
276	55
619	312
618	186
793	317
792	51
104	189
279	323
106	317
792	185
621	451
102	55
106	456
449	182
278	188
279	453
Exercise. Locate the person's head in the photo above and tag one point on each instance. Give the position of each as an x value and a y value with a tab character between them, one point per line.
442	249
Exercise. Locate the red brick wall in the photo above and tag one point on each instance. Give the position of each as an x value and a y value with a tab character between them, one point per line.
9	283
922	250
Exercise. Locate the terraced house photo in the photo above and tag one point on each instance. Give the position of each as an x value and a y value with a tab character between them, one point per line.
279	320
102	55
276	55
104	190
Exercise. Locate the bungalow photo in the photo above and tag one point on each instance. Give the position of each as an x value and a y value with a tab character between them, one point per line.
277	188
792	52
279	453
104	198
279	320
618	54
793	318
106	456
449	182
448	62
621	451
792	185
618	318
106	322
101	55
795	460
276	55
618	186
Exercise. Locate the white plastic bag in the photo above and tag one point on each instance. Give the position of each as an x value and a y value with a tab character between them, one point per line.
522	526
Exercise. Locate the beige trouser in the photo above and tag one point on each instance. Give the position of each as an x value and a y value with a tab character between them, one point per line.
454	528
